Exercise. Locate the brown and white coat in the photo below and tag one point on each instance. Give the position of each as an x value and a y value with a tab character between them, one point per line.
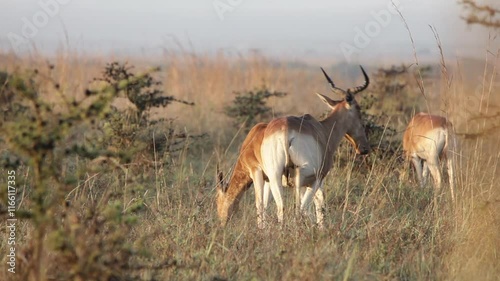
298	143
427	139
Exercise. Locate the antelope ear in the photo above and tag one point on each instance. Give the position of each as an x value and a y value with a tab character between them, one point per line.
328	101
219	178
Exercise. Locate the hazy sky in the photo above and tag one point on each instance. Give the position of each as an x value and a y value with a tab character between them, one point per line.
352	30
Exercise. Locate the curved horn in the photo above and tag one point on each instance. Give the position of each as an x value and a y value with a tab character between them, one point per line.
358	89
332	85
328	78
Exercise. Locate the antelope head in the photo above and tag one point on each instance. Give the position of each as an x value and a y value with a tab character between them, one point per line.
356	133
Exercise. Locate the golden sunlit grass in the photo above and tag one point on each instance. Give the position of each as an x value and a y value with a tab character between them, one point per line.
379	224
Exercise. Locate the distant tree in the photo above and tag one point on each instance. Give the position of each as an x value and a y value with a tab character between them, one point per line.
485	15
488	16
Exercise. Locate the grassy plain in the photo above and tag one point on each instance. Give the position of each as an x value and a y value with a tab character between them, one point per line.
379	224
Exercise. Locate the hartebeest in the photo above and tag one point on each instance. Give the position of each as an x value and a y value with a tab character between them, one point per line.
301	144
427	139
308	146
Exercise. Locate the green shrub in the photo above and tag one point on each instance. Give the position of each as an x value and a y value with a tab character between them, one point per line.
249	107
136	129
82	242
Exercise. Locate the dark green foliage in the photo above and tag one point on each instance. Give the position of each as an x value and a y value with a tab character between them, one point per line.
395	89
83	242
9	85
143	92
249	108
136	129
383	137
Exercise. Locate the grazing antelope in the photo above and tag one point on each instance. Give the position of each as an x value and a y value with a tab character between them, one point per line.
307	146
301	144
425	141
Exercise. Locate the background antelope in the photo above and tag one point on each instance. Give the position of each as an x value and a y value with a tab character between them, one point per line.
427	139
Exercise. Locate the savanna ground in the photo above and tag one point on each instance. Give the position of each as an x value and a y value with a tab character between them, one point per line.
97	202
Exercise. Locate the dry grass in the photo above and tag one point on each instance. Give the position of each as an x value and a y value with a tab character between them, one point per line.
379	224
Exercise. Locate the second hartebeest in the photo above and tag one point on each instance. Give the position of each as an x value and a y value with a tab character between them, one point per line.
427	139
301	144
